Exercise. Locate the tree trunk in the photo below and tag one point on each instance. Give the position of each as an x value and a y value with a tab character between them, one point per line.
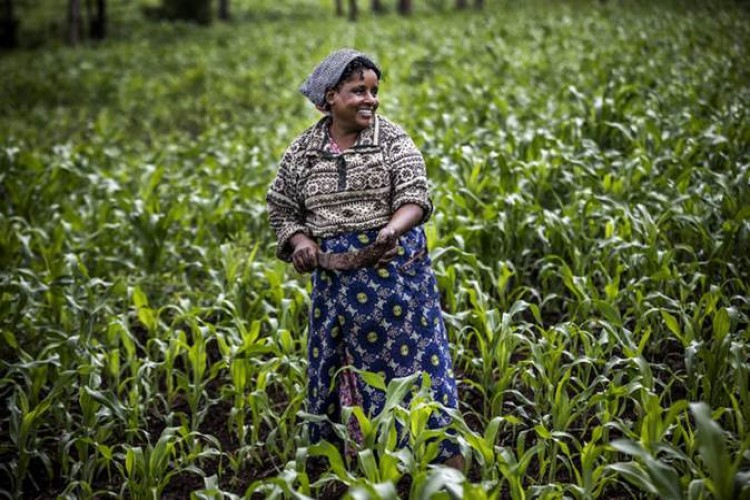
461	4
353	13
340	8
8	26
98	22
377	7
224	10
87	16
74	22
479	4
404	7
198	11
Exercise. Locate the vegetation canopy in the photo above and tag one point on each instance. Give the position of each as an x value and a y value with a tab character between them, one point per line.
590	172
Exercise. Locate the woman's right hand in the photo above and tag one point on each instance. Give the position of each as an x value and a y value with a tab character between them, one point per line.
305	253
387	241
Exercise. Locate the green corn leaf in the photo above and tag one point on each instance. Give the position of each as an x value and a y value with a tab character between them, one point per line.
326	449
665	479
721	324
397	389
713	451
671	323
441	480
542	432
369	466
635	474
372	379
10	339
159	456
134	462
140	300
365	424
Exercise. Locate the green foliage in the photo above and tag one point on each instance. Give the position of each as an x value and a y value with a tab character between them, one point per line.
590	176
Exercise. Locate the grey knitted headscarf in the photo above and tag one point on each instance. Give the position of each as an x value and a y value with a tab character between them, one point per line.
327	74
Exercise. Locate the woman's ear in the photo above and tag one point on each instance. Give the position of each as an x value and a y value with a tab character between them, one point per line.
330	96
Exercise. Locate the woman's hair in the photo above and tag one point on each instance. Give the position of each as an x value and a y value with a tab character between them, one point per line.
358	64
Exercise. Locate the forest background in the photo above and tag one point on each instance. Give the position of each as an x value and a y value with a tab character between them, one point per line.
589	167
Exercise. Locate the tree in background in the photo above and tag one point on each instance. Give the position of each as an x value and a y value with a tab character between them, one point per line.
353	10
8	26
97	17
462	4
89	19
223	10
404	7
74	22
198	11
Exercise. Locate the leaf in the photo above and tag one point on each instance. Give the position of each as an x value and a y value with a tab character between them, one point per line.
133	461
365	424
721	324
672	323
610	312
139	298
651	475
629	447
542	432
397	389
368	465
635	474
372	379
439	479
326	449
713	450
10	339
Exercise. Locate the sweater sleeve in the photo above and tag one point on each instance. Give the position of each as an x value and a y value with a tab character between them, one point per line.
408	176
285	207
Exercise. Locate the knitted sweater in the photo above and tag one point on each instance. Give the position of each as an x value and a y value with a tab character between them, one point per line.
320	194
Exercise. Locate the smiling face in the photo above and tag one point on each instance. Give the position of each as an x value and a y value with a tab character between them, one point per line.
353	102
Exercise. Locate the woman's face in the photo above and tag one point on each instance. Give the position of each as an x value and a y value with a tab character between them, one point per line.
354	103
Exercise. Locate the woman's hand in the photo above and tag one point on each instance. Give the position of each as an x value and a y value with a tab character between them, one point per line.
387	240
402	220
305	253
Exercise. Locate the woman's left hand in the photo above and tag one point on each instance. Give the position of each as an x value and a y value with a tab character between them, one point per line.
402	220
388	240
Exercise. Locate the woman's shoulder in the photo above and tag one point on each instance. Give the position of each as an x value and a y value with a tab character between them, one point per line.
391	132
389	129
309	138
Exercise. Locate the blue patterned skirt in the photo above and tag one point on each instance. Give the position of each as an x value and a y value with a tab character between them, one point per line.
385	320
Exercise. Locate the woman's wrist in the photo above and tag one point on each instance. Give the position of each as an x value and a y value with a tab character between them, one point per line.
393	228
405	218
298	238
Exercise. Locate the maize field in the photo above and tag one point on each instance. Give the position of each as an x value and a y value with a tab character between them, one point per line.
590	170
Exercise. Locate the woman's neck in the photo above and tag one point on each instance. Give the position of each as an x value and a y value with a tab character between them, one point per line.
344	139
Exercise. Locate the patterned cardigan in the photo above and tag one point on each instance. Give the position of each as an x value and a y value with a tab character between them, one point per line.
320	194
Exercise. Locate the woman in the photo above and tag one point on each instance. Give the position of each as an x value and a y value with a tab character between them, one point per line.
347	205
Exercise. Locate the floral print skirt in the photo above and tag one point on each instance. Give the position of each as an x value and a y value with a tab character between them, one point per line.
383	319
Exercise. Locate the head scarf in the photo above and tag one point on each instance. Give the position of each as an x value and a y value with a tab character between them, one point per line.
327	74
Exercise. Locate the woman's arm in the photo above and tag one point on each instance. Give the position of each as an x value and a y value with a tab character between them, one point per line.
283	204
402	220
304	252
408	176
